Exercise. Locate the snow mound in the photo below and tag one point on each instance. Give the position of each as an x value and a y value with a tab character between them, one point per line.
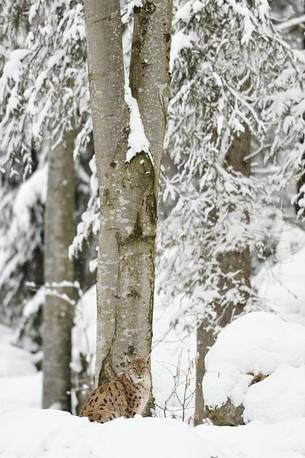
253	346
155	437
47	433
281	396
256	440
53	434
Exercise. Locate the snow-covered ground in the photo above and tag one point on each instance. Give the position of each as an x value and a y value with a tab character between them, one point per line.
20	383
256	440
27	433
58	434
55	434
37	433
263	347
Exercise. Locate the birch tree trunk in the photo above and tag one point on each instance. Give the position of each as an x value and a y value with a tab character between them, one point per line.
58	310
128	190
238	262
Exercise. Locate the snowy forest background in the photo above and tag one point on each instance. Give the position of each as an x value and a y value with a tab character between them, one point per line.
230	243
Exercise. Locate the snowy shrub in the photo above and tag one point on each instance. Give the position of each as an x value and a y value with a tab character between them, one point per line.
58	434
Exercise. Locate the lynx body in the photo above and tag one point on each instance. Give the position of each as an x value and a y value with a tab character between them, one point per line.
125	396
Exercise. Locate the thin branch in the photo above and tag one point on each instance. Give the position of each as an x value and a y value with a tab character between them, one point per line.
293	22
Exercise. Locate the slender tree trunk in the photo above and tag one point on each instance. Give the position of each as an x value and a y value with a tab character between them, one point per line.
149	72
128	190
205	339
59	310
234	261
150	84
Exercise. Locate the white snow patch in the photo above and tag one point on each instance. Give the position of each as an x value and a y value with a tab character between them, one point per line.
20	392
6	334
14	361
248	30
137	140
33	305
127	7
256	440
13	67
180	40
279	397
54	434
30	192
153	437
257	343
20	383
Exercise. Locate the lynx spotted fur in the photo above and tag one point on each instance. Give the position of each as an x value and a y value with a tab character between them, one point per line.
125	396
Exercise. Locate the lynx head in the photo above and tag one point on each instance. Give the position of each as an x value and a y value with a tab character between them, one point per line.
138	371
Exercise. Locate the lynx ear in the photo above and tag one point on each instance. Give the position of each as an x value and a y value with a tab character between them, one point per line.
128	359
130	354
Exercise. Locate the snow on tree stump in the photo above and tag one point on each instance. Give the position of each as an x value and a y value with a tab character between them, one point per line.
226	415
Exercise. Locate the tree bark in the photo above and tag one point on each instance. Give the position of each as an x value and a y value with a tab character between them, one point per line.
234	261
128	190
149	72
205	339
59	310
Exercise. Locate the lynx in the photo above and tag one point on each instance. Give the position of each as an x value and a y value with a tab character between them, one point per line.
125	396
